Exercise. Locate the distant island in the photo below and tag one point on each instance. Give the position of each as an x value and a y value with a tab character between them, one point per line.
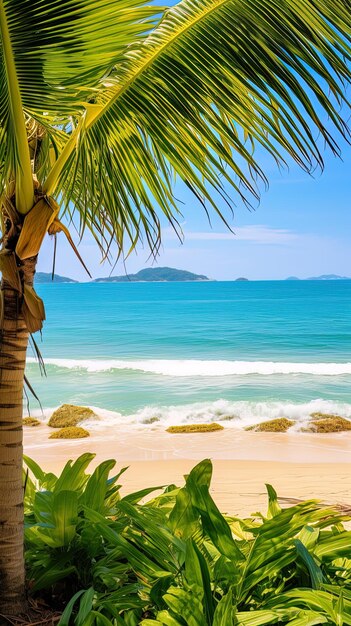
322	277
329	277
165	275
156	275
45	277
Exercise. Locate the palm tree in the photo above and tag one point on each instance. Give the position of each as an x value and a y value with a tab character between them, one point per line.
102	104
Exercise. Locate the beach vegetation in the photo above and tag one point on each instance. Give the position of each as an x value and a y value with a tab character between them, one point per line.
101	559
323	423
31	421
103	106
278	425
195	428
71	432
70	415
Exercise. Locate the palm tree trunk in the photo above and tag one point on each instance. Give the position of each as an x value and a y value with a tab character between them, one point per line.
13	346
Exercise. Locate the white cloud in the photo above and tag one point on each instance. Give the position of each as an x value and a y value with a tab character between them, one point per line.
259	234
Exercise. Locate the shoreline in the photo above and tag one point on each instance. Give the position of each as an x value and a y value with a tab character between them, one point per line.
297	465
230	444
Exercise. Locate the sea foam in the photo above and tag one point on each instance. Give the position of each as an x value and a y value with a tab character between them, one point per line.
193	367
236	414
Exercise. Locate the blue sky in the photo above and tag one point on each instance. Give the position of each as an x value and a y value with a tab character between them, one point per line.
301	227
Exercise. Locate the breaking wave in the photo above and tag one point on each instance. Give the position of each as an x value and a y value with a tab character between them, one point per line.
192	367
237	414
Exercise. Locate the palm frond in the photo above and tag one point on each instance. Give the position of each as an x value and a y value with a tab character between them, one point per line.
60	51
213	80
63	48
14	153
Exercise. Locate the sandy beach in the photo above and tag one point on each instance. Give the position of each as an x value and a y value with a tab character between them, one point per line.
298	465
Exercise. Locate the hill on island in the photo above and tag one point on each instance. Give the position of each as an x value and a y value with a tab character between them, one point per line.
154	274
45	277
322	277
329	277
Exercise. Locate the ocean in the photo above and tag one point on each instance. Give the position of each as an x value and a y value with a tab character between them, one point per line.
157	354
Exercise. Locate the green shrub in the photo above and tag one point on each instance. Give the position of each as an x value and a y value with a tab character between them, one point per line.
279	425
176	560
30	421
70	415
72	432
195	428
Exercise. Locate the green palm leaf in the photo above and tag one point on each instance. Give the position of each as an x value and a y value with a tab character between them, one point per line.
14	150
212	81
53	58
63	48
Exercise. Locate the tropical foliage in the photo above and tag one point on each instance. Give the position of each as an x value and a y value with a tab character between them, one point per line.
104	105
176	560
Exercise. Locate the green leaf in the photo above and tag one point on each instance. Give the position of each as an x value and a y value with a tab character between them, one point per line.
259	618
308	618
148	530
15	161
73	477
273	506
140	562
314	570
36	470
62	53
66	615
309	537
186	103
29	489
61	519
42	507
334	546
52	575
135	497
319	601
184	517
97	486
158	590
65	514
224	613
213	522
85	607
340	609
100	619
197	574
186	605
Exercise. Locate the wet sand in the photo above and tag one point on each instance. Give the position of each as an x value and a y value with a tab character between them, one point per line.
298	465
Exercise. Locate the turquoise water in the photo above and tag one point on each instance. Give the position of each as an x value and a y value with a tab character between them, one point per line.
175	352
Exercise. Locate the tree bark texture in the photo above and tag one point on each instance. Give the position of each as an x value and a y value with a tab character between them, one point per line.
13	346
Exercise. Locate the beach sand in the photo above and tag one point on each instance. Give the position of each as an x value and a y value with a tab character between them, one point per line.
297	465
